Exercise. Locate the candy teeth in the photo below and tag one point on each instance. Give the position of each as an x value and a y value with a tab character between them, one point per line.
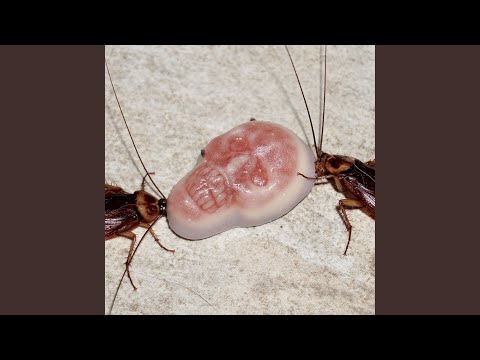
207	188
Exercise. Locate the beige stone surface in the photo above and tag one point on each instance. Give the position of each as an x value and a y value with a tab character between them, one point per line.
176	99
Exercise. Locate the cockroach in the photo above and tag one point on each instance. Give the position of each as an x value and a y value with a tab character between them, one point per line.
354	178
125	212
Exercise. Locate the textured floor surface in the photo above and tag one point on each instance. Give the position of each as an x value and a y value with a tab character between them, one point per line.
176	99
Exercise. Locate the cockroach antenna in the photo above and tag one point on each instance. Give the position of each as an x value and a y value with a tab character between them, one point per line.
129	133
322	103
304	100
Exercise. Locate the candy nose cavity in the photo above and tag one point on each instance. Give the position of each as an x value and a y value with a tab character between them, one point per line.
259	174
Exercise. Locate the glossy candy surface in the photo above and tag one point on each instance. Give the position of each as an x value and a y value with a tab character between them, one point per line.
247	177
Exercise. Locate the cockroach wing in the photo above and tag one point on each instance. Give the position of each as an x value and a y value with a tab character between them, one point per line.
367	196
360	181
111	190
120	220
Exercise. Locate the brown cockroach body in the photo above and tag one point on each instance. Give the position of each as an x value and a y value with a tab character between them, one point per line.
125	212
354	178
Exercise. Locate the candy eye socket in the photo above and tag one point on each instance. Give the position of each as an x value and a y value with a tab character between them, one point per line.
202	153
238	144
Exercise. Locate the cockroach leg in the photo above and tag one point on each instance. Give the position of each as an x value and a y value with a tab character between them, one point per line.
371	163
350	203
322	183
144	179
306	177
127	266
316	178
147	226
129	235
129	277
338	183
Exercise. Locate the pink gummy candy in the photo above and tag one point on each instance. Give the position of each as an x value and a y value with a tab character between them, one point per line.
247	177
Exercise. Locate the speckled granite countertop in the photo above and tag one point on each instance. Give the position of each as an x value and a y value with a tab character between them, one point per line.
176	99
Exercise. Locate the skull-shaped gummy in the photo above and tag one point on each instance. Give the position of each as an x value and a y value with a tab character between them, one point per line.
247	177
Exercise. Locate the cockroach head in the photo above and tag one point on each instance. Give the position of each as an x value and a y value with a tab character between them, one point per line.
322	156
320	168
149	206
332	164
